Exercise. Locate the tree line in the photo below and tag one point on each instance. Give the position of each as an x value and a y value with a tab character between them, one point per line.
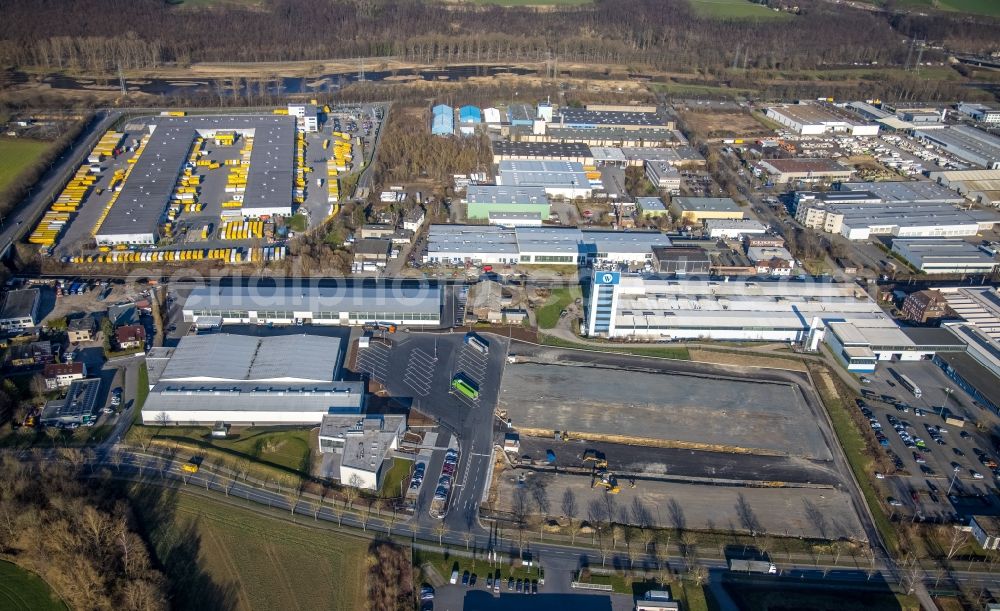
101	35
79	538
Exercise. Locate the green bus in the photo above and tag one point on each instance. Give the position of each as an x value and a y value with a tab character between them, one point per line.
465	388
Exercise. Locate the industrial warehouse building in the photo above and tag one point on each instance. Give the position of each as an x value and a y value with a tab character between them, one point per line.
967	143
539	245
978	306
633	306
361	446
244	380
814	119
485	200
783	171
141	206
697	209
905	220
944	256
651	206
585	118
565	179
19	311
733	228
542	151
443	120
980	186
295	303
980	112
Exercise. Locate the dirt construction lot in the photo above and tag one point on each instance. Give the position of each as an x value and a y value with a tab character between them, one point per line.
808	512
697	412
719	124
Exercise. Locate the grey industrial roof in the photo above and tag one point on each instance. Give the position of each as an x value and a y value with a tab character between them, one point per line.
551	149
81	399
542	173
904	191
903	214
650	203
18	303
501	194
144	198
651	133
979	145
425	299
520	112
372	246
706	204
548	239
225	358
624	241
461	239
327	397
582	116
940	251
981	378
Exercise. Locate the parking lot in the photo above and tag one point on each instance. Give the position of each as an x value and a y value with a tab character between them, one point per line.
934	463
421	367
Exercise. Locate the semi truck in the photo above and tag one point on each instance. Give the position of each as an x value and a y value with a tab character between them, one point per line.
477	343
753	566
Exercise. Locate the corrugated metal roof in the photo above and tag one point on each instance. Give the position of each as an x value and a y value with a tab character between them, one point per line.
400	298
225	358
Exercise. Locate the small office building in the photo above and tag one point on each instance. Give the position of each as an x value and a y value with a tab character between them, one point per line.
19	311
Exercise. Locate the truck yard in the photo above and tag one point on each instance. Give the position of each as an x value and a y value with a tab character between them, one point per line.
206	187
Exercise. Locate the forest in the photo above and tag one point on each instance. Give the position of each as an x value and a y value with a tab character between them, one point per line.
79	538
100	35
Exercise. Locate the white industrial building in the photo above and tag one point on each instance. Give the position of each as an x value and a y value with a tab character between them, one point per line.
812	118
913	220
539	245
633	306
967	143
980	112
980	186
312	303
245	380
565	179
978	306
733	228
361	446
944	256
19	311
664	176
515	219
306	116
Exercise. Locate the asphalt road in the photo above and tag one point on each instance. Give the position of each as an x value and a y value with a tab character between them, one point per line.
22	219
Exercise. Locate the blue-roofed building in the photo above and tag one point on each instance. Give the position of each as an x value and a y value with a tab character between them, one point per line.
470	114
443	120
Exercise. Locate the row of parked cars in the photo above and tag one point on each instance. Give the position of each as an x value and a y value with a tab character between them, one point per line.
495	582
447	475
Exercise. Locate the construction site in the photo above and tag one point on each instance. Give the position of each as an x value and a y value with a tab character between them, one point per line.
721	448
226	187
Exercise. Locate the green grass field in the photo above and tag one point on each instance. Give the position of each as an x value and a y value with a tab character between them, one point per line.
288	448
735	9
548	314
665	352
398	472
16	155
533	2
976	7
222	557
22	590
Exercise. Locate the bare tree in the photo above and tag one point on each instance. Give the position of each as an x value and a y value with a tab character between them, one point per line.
440	529
116	457
53	434
957	539
569	510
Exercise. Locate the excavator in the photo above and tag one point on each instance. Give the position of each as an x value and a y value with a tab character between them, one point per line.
606	480
596	457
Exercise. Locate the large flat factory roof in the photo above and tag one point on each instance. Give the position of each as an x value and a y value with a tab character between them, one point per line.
541	149
224	358
345	298
967	142
147	191
498	194
812	114
906	191
542	173
581	116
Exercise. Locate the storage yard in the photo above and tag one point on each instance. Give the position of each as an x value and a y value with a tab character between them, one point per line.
175	187
672	410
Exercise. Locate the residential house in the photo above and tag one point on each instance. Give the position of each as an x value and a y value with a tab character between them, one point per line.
61	375
414	219
81	329
19	309
130	337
